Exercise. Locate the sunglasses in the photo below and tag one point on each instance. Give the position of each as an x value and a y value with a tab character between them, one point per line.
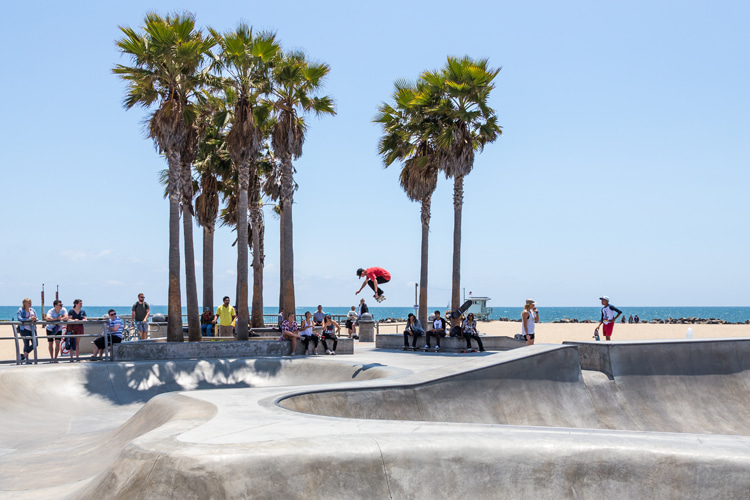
112	314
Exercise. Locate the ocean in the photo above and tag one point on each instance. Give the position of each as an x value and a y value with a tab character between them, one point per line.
547	314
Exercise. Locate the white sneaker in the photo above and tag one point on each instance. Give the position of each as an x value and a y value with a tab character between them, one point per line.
437	348
333	353
426	348
328	352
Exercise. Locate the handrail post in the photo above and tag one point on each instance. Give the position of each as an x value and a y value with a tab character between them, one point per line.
34	344
18	354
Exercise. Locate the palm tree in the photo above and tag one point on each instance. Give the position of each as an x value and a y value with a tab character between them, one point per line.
166	73
212	165
244	61
296	81
409	138
456	97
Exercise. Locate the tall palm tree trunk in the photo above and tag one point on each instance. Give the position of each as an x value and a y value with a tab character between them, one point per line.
174	300
256	218
208	267
243	315
458	202
426	204
287	237
191	284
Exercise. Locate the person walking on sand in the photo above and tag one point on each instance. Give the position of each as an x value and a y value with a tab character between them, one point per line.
225	315
529	318
608	318
141	311
374	276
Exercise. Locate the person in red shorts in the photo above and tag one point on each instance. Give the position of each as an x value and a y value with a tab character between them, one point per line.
608	317
374	276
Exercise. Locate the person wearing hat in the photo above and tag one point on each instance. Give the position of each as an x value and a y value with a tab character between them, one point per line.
608	318
529	318
374	276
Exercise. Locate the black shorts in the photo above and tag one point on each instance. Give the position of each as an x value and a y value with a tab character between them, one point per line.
349	324
113	339
51	335
530	336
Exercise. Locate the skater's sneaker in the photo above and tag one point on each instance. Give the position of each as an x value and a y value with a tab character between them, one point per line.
333	353
426	348
437	348
414	348
328	352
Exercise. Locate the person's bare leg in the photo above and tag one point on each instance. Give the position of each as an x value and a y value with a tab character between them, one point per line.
49	344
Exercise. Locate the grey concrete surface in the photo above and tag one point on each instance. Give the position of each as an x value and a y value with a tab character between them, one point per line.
526	423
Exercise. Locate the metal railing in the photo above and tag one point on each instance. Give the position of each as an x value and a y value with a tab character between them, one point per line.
34	336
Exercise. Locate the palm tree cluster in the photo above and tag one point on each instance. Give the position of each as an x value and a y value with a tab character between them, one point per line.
437	125
227	112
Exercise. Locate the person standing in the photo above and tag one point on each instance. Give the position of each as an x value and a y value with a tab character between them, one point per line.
362	309
608	318
141	312
225	314
57	313
351	323
374	276
76	314
27	316
529	319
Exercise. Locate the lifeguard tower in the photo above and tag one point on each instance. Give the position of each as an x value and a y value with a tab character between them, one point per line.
479	307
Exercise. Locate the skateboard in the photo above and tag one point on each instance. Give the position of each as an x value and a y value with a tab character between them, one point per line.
596	335
464	351
458	312
379	299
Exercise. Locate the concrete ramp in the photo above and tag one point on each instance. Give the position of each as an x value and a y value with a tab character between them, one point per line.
689	387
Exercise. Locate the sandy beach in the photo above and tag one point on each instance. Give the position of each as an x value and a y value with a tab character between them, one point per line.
549	333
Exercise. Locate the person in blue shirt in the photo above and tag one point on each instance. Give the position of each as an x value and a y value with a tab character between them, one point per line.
27	315
413	328
113	329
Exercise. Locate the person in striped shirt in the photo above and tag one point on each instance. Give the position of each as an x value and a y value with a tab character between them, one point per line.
113	329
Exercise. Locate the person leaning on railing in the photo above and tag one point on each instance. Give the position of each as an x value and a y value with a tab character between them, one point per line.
27	315
113	331
76	314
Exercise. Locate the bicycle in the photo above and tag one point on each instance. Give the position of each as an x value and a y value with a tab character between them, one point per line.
129	331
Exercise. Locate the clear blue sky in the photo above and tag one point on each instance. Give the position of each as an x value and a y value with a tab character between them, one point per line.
623	169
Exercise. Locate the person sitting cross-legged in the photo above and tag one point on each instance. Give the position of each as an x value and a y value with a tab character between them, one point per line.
413	328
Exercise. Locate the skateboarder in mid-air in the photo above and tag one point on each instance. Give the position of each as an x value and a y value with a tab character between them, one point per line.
374	276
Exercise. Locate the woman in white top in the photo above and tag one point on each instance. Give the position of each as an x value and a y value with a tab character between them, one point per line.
529	318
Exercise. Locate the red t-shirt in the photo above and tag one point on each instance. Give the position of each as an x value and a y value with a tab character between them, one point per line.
373	273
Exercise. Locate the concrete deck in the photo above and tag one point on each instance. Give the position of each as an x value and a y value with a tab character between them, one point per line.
527	423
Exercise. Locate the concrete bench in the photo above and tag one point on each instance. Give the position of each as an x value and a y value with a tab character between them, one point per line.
449	344
152	350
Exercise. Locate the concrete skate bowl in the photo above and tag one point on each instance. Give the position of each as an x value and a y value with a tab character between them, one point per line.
700	387
68	423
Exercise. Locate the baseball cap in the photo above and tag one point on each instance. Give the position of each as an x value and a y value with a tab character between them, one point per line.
530	301
604	297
